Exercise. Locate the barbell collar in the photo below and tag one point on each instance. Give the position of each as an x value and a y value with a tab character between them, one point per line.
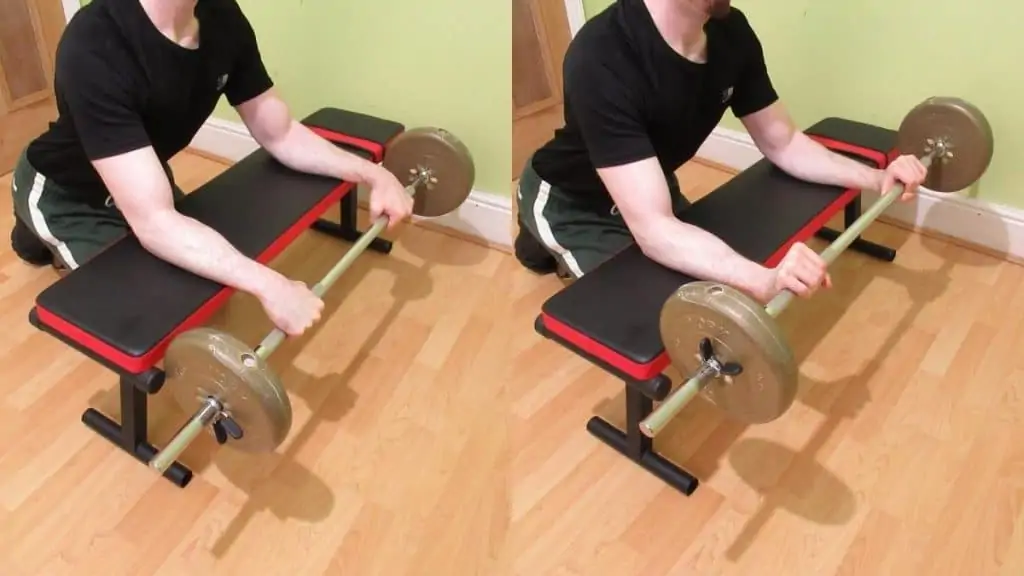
658	419
206	415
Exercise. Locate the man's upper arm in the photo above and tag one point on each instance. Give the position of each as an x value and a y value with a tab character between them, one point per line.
610	116
771	128
248	77
607	111
102	104
103	107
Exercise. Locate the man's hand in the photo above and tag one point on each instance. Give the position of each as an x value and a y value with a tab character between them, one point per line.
290	305
907	170
389	198
802	271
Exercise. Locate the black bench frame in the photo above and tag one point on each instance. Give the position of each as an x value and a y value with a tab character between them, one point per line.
641	394
131	434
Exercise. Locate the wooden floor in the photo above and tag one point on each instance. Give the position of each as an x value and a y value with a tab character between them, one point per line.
436	434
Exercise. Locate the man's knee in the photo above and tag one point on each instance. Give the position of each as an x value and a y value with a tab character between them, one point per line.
27	245
531	253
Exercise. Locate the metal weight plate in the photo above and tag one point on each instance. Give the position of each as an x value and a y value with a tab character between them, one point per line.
964	130
740	330
446	158
205	362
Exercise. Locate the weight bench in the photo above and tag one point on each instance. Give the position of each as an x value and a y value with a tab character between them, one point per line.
760	213
260	207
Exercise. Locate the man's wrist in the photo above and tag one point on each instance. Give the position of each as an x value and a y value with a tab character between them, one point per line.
759	282
373	174
875	179
259	280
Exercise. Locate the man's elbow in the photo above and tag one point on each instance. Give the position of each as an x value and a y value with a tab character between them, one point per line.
269	122
651	235
152	227
273	137
781	149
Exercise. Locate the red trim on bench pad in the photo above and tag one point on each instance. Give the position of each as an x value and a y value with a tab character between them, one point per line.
376	149
139	364
812	227
881	159
605	354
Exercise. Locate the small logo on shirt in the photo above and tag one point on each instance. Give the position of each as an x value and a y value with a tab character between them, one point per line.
726	95
222	82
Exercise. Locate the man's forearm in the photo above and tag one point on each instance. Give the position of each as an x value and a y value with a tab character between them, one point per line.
302	150
193	246
808	160
700	254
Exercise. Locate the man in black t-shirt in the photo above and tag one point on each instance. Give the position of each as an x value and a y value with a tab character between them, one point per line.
645	83
134	81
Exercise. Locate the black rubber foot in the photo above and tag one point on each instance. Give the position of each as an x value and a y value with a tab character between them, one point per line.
338	231
649	460
867	247
178	474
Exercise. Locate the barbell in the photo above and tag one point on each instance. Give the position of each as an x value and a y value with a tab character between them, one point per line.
730	345
229	387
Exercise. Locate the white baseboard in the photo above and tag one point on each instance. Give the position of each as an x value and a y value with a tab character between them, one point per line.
991	226
484	215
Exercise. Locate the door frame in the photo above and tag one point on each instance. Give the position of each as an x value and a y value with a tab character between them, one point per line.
573	10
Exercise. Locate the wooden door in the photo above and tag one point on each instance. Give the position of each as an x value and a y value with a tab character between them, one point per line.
29	32
540	36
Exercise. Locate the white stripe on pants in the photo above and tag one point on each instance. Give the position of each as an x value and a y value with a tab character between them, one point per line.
546	236
39	224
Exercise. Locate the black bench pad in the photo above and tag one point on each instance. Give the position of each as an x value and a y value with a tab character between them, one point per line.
125	305
611	314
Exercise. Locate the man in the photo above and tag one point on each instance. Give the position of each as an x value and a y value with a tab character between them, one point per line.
134	82
646	81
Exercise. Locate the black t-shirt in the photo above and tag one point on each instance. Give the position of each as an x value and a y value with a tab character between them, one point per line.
629	96
121	85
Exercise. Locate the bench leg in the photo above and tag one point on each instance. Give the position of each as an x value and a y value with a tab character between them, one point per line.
850	215
639	448
131	434
346	227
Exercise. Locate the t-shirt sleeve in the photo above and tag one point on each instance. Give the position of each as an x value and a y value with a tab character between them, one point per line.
249	77
101	102
609	115
754	91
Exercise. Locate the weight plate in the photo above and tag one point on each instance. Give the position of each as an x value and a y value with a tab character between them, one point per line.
205	362
741	331
966	133
446	158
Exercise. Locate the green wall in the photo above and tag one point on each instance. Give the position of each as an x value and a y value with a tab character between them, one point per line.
869	60
442	63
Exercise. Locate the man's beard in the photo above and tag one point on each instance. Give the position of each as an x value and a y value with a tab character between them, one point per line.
719	8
